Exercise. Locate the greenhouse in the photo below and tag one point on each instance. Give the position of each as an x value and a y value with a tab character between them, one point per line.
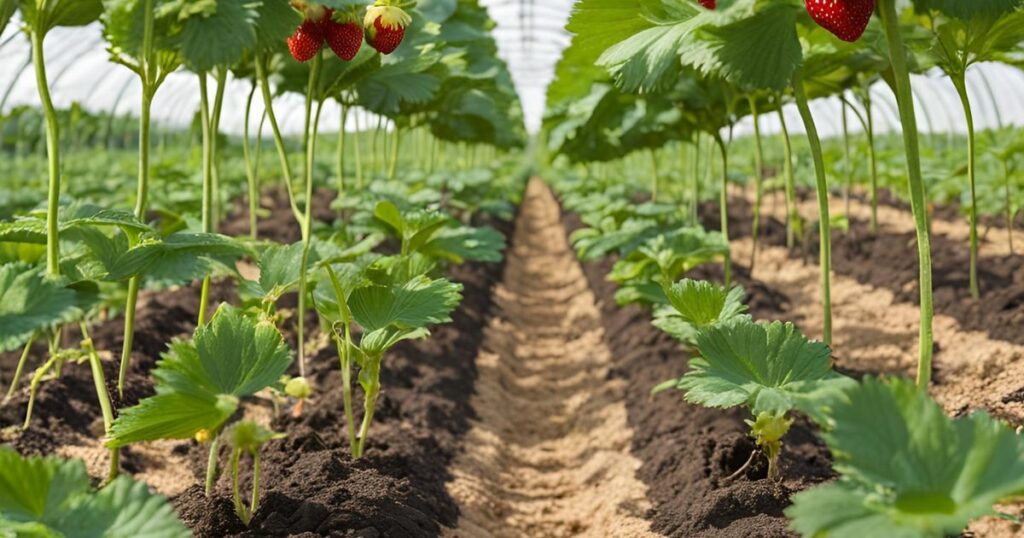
512	268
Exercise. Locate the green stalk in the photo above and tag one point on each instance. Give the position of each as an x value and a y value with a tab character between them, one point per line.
824	224
310	143
359	155
207	208
282	151
846	158
898	59
654	176
393	166
723	206
792	211
250	170
758	179
18	370
218	105
345	362
211	463
1009	204
341	154
148	75
52	154
695	207
236	494
371	389
106	409
960	84
870	130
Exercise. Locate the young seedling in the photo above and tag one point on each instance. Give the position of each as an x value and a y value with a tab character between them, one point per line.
390	307
200	383
906	469
437	235
695	305
644	273
247	438
768	368
54	497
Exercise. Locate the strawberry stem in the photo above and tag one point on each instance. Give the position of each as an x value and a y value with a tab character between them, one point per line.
824	223
904	97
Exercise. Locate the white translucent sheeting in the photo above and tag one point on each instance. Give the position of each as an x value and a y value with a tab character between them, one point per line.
79	70
531	36
996	92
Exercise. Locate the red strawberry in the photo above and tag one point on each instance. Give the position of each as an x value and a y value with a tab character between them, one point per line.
306	42
385	27
847	19
344	38
708	4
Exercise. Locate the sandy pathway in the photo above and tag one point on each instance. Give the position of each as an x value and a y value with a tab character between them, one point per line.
548	455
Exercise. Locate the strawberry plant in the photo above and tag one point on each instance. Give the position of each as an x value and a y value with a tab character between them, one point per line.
965	35
645	272
390	301
53	497
906	469
200	383
246	438
696	304
768	368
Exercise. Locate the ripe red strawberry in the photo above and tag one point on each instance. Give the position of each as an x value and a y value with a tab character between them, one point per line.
344	38
306	42
708	4
847	19
385	27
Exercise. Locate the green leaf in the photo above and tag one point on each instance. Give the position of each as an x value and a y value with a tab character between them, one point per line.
276	22
7	9
907	469
220	38
48	497
29	302
415	304
466	243
702	303
248	436
760	51
199	383
741	359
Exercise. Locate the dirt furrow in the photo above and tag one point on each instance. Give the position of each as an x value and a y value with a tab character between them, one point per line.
548	454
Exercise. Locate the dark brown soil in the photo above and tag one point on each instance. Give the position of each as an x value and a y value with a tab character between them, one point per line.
688	451
889	261
311	486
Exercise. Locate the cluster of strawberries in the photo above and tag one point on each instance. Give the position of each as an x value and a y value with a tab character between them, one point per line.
846	19
384	30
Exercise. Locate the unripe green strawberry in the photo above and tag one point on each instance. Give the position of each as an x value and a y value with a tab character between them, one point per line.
385	27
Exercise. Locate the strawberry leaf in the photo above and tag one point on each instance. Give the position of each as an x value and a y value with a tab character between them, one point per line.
219	39
199	383
29	302
52	497
696	304
906	468
768	367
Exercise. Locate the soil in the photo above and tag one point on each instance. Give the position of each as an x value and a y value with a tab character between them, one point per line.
311	486
688	452
979	346
549	452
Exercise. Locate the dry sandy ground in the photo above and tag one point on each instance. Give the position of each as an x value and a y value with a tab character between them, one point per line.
548	455
873	331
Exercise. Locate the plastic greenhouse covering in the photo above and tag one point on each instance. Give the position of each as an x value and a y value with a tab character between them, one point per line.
531	36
